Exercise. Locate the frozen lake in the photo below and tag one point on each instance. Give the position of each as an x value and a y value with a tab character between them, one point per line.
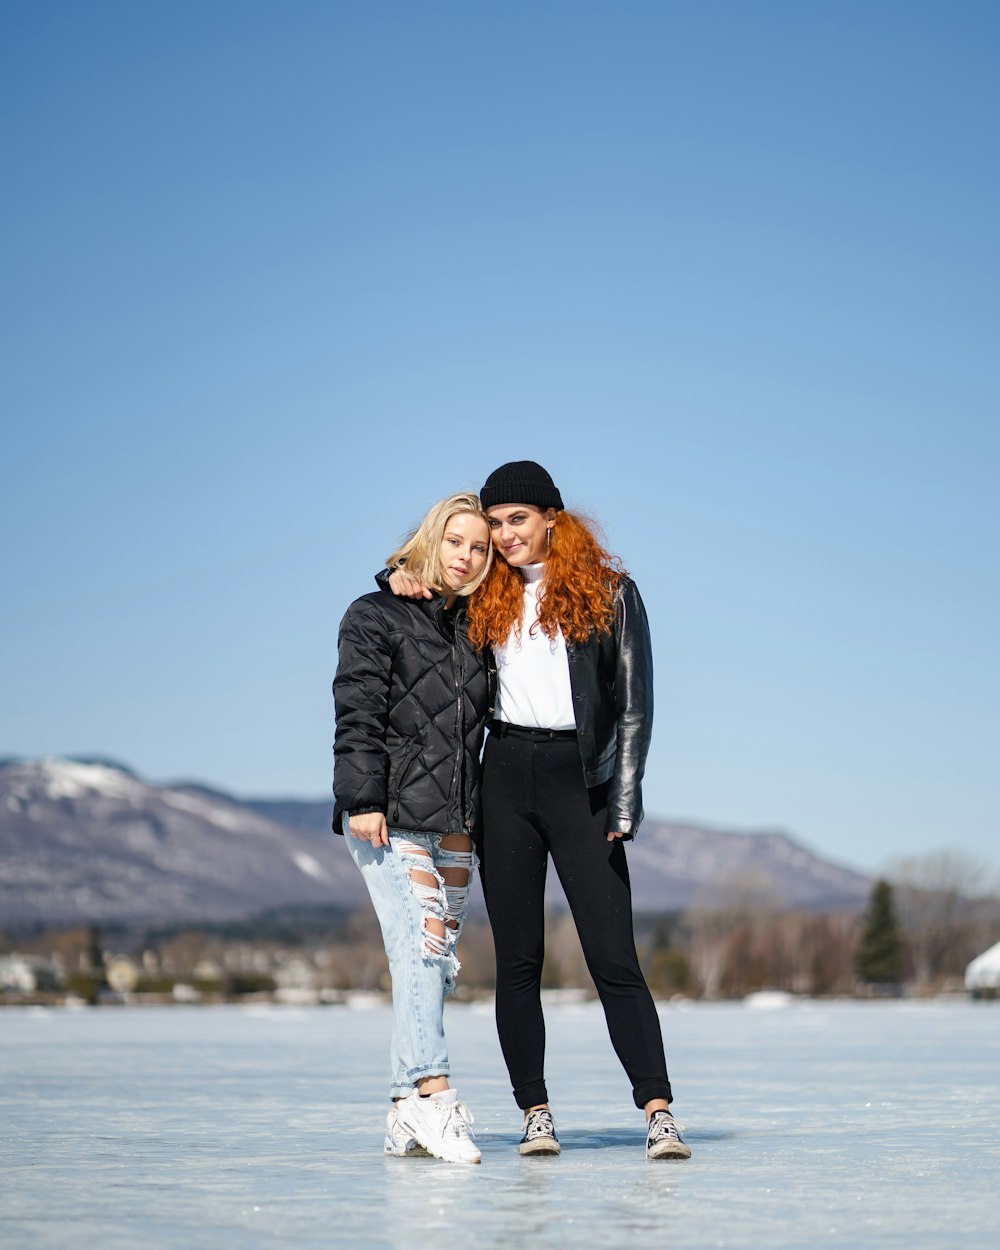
817	1125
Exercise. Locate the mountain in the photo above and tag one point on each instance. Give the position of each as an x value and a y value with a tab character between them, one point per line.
673	864
91	841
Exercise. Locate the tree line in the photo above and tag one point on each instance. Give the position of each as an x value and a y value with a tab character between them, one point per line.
926	918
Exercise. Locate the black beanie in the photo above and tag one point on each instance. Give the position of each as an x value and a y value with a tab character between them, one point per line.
521	481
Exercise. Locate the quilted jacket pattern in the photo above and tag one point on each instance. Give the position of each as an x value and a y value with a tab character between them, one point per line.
411	698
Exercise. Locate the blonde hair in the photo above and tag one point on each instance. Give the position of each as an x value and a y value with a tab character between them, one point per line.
421	553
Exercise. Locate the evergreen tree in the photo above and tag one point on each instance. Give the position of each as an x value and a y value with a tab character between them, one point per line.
879	957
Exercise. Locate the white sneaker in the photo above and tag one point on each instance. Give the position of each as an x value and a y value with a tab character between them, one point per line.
398	1141
440	1124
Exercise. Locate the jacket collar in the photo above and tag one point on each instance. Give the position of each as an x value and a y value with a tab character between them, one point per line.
442	617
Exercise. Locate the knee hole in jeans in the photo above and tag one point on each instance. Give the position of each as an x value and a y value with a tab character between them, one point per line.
442	895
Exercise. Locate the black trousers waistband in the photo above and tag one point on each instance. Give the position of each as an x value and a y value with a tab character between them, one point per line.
503	728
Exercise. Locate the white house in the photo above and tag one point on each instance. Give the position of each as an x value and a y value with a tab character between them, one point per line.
27	973
984	971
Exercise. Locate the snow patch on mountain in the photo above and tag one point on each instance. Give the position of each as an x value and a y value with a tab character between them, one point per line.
207	810
55	779
305	863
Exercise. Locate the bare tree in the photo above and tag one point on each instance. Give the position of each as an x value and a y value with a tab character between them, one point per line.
942	899
565	966
717	925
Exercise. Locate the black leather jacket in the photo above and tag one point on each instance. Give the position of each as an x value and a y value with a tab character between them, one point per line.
611	676
411	697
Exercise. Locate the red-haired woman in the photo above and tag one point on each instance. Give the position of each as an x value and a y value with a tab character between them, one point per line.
562	775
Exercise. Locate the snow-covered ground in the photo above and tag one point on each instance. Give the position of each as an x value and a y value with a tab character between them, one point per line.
812	1124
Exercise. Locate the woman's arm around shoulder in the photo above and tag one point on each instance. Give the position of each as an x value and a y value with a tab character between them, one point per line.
401	583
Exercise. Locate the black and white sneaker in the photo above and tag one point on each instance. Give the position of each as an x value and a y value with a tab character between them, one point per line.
539	1134
663	1138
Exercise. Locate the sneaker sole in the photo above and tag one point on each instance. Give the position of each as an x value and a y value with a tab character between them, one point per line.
446	1159
434	1153
423	1152
669	1150
418	1152
540	1146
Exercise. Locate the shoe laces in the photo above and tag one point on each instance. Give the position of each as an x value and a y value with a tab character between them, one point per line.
662	1124
539	1124
456	1119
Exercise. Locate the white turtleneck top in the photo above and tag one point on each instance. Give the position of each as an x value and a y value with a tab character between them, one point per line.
533	687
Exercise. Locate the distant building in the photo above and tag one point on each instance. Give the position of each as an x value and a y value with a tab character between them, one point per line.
296	981
208	970
25	974
296	973
122	974
982	976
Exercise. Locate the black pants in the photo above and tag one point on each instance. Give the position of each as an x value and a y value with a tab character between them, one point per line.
535	804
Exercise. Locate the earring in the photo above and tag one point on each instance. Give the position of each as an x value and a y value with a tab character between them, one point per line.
548	537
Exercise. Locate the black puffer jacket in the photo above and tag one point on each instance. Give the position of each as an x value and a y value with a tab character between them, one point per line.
411	698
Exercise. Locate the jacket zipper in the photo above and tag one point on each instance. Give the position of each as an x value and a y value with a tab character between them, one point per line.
458	670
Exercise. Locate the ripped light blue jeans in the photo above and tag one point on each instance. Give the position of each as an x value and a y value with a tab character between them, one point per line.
423	963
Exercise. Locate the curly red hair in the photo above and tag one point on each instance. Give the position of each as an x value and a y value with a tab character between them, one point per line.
577	596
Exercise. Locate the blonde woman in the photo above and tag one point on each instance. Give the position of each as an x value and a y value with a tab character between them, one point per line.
411	702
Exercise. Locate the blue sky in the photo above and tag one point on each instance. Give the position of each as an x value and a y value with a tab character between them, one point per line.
277	276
